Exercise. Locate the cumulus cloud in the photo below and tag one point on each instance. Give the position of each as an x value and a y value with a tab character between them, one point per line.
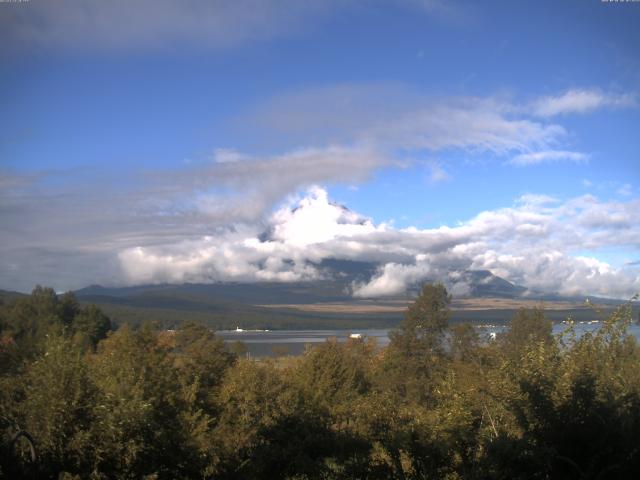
299	233
316	220
580	101
535	243
550	232
393	279
82	227
64	229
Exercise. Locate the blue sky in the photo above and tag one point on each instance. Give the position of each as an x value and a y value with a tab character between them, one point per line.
158	125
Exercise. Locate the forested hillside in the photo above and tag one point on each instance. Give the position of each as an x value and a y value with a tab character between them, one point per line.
436	403
293	305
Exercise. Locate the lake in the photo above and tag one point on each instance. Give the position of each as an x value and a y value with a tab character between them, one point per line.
261	343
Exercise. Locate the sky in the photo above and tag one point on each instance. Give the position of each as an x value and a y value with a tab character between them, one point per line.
248	140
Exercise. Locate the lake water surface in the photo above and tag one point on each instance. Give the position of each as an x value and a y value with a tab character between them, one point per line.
293	342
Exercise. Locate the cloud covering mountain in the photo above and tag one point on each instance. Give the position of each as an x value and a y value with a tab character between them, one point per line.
199	141
534	243
225	218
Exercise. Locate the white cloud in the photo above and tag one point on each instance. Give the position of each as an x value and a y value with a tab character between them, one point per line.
66	232
580	101
301	231
391	117
82	221
547	156
241	188
474	126
316	220
536	243
392	279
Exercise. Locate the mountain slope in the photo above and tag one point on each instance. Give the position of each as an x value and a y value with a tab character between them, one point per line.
325	303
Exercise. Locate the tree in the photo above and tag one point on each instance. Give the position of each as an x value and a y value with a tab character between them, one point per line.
68	307
59	400
90	325
137	430
267	429
334	375
416	349
463	343
201	357
527	327
29	320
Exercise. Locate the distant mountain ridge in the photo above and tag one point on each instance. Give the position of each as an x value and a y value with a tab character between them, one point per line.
336	287
338	277
483	283
303	305
9	295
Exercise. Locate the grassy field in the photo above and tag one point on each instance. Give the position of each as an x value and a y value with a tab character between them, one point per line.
335	315
233	306
463	304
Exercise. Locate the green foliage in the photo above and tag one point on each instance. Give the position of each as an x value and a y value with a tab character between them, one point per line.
138	405
59	398
89	325
27	322
30	319
415	353
334	376
266	428
201	358
464	341
526	328
436	403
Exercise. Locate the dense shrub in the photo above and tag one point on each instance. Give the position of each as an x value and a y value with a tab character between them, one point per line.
436	403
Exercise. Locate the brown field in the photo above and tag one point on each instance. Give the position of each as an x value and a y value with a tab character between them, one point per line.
510	304
463	304
344	307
